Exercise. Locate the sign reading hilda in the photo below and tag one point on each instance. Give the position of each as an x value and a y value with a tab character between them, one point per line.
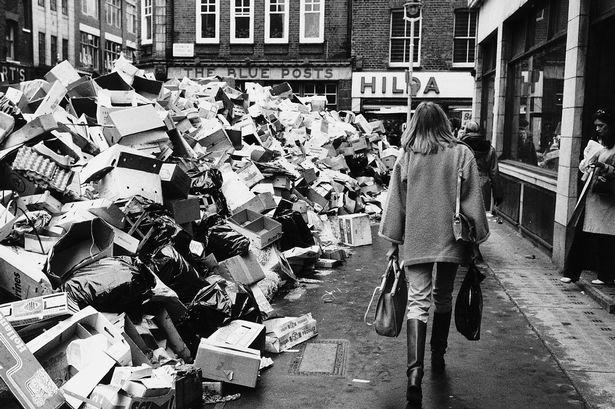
264	73
428	84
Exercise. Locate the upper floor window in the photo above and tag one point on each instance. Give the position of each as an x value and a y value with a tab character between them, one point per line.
53	5
54	50
242	21
113	12
11	32
312	21
147	21
41	3
131	18
208	21
65	49
64	6
90	50
90	7
464	43
276	21
404	33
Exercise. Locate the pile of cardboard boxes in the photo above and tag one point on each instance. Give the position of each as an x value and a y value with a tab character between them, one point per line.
88	166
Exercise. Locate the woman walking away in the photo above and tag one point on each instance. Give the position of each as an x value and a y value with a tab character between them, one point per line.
417	220
592	248
486	161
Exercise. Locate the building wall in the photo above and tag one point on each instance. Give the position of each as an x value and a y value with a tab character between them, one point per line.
55	23
371	22
105	31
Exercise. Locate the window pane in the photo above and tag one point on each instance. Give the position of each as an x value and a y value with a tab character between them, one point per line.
242	27
397	50
398	25
460	50
461	24
276	26
312	25
208	27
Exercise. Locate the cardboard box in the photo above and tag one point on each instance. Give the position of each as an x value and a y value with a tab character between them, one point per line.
43	242
235	365
250	174
263	305
7	220
261	230
83	244
23	374
185	210
118	156
355	229
112	397
22	273
213	137
285	333
51	345
123	183
245	270
43	201
261	203
175	182
240	333
138	126
38	309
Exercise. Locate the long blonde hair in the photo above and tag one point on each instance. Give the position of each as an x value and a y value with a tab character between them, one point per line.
429	130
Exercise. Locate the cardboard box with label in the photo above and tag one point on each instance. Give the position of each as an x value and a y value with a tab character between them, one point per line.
221	362
285	333
37	310
355	229
175	182
261	230
22	273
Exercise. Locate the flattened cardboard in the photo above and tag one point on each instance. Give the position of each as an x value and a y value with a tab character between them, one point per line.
23	374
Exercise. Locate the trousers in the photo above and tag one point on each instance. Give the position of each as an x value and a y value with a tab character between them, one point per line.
425	283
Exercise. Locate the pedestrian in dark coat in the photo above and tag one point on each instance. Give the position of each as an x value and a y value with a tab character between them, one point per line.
486	161
417	220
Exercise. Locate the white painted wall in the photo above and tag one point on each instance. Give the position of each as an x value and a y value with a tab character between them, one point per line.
494	12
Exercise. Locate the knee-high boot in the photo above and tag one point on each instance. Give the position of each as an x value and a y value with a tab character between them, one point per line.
416	331
439	340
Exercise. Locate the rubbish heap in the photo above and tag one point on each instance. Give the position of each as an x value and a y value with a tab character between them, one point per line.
145	226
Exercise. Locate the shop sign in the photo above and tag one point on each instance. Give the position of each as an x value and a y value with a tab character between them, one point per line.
264	73
183	49
427	84
11	72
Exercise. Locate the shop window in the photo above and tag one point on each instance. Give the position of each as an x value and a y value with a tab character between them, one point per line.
130	54
53	45
147	21
131	18
64	6
276	21
89	8
487	50
208	21
65	49
242	21
328	90
53	5
113	12
465	37
113	51
403	33
11	33
41	49
312	21
90	51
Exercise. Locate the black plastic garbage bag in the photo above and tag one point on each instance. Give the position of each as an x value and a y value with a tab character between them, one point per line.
295	231
469	304
173	270
111	284
218	304
221	240
209	183
164	230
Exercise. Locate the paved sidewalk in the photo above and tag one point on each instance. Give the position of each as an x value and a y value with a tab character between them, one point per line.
578	332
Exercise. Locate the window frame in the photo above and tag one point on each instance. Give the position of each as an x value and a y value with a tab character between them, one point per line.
65	50
419	20
199	23
53	5
131	18
96	57
53	43
268	13
112	50
64	7
42	36
41	3
467	38
85	10
11	40
310	89
113	13
144	14
321	33
233	33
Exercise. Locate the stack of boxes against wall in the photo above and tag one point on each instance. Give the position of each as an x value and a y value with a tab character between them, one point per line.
92	153
305	43
444	37
535	101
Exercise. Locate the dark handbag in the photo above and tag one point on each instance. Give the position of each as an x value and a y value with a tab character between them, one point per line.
463	229
391	307
469	304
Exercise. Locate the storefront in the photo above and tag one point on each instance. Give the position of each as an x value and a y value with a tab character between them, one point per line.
11	72
333	82
383	94
534	99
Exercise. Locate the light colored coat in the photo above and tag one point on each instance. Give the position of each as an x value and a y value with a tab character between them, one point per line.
420	205
600	208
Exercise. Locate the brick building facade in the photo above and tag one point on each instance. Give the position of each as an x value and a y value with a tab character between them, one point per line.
443	57
303	42
104	29
15	40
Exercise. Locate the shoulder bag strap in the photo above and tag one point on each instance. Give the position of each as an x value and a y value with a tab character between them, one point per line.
458	195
